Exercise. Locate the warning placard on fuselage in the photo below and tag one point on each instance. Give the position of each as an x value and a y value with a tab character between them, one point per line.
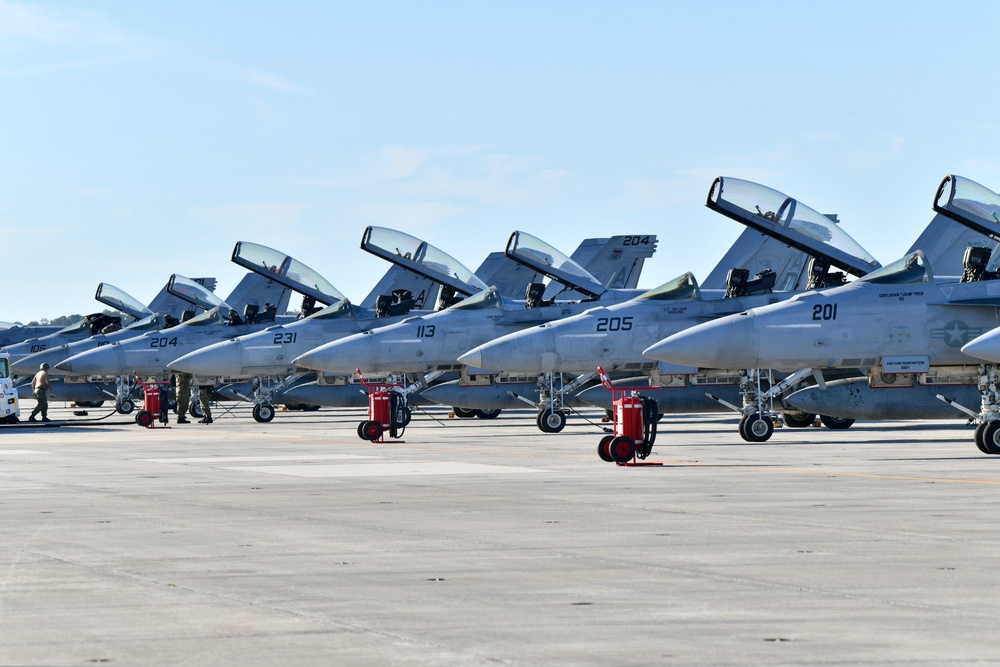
910	364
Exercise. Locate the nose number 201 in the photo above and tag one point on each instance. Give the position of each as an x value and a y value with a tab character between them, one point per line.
825	311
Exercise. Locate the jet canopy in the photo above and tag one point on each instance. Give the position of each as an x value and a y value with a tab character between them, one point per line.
194	293
121	300
538	255
913	268
782	217
422	258
970	204
682	287
286	271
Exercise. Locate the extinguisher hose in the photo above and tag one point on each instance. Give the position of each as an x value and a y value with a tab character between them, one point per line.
396	425
650	415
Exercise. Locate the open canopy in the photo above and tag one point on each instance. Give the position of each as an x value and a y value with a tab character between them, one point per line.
538	255
422	258
970	204
286	271
121	300
194	293
782	217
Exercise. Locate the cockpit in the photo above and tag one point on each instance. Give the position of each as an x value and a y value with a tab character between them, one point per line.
910	269
682	287
785	218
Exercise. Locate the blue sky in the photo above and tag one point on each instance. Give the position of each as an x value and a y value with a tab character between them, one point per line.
139	139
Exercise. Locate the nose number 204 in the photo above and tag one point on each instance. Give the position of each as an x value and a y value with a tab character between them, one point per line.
825	311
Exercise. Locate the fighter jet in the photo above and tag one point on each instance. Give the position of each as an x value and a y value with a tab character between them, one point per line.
432	343
267	355
615	336
12	332
901	324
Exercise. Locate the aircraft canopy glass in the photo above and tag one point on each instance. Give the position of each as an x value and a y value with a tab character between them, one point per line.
194	292
212	316
484	300
333	311
121	300
683	287
780	216
536	254
285	270
910	269
969	203
422	258
146	322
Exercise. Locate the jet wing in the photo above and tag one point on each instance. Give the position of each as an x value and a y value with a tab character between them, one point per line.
122	301
782	217
286	271
422	258
969	203
543	258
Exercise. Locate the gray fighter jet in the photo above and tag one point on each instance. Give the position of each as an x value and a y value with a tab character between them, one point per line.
901	324
615	336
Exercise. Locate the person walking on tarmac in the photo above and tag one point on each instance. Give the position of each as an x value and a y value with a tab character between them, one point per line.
183	381
204	393
41	389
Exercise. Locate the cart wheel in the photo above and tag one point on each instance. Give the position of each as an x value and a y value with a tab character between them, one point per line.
621	449
464	413
371	430
361	430
125	407
144	419
263	413
602	448
551	421
487	414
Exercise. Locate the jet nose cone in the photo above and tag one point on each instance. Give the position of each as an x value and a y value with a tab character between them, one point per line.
985	347
730	342
343	356
219	359
472	358
102	361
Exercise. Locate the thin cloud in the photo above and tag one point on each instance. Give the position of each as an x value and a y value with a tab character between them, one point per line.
259	78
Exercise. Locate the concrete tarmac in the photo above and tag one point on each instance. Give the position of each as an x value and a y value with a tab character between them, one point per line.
488	542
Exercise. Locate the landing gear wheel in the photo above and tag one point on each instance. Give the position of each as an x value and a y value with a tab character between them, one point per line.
89	404
836	423
991	438
487	414
125	407
371	430
144	419
263	413
407	415
603	448
464	413
621	449
742	428
757	427
980	443
798	419
551	421
195	410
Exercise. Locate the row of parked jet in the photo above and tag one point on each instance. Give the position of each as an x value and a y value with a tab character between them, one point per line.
796	323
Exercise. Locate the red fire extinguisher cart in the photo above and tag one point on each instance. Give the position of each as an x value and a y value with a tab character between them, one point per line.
387	411
634	425
154	403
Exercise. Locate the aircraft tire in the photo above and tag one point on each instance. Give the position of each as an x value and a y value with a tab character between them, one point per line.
89	404
798	419
621	449
463	413
758	428
602	448
551	421
487	414
991	437
980	443
263	413
125	407
836	423
195	410
742	428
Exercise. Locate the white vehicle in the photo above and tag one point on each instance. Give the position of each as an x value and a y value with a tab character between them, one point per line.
10	410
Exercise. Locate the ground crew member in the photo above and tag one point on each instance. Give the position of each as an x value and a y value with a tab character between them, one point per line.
183	381
204	393
41	388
